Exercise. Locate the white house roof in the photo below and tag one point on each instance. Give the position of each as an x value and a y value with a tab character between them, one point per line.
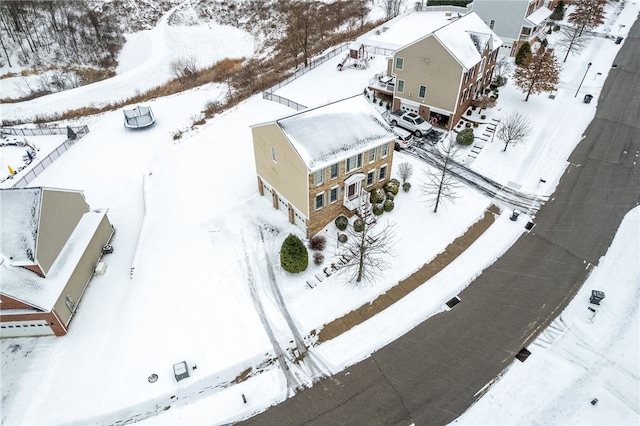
336	131
466	38
538	17
42	293
19	219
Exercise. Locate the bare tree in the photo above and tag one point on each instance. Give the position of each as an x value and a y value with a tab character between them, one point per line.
184	68
539	72
587	14
571	40
302	17
392	7
405	170
513	129
439	183
501	70
364	255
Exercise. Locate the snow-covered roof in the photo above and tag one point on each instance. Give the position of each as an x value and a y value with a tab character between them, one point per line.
466	38
538	17
42	293
19	219
336	131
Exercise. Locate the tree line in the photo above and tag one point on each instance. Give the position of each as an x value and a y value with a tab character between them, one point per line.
62	31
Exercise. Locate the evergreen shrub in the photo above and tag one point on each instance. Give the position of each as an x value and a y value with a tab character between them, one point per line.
294	257
341	222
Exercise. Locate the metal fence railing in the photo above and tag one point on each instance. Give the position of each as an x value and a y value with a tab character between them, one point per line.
268	94
73	133
284	101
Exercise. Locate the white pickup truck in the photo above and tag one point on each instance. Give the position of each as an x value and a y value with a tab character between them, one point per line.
410	121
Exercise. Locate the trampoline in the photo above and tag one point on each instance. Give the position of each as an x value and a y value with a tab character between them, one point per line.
138	117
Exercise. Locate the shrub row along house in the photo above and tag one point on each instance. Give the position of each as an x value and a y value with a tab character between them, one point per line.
314	164
50	244
438	76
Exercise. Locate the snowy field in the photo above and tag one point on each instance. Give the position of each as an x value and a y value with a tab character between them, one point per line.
187	212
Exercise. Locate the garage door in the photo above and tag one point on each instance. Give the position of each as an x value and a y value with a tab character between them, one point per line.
267	189
283	205
409	108
299	220
25	328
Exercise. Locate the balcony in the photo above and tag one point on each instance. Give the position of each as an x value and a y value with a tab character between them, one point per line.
383	84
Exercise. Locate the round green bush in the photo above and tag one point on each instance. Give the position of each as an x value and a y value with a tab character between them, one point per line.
378	209
392	186
465	137
388	205
342	238
376	196
358	225
341	222
406	186
294	257
390	196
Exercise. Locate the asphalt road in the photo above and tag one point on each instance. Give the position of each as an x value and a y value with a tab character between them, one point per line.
431	375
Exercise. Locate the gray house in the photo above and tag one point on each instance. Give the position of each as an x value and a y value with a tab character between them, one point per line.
514	21
50	244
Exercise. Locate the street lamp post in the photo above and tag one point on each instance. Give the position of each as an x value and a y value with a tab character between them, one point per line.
583	77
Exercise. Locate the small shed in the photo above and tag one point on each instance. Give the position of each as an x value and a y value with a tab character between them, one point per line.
138	117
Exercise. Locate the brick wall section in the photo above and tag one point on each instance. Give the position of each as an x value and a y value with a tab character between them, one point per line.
318	219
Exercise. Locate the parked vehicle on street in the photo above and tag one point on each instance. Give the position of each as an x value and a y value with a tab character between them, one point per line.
404	138
410	121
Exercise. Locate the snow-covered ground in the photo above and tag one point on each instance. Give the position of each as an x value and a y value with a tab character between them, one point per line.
188	211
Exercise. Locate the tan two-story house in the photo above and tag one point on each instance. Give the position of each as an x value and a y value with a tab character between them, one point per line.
440	74
313	165
50	244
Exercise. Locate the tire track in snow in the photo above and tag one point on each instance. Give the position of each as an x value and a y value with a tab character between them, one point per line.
305	357
292	380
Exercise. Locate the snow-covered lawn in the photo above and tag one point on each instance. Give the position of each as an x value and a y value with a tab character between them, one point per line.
188	211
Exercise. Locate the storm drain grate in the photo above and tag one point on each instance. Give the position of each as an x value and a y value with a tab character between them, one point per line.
523	355
453	302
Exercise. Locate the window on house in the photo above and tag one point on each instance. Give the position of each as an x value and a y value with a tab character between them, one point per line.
318	177
370	177
423	92
372	155
492	23
274	154
482	64
333	195
334	171
353	163
384	150
400	86
383	173
399	63
320	201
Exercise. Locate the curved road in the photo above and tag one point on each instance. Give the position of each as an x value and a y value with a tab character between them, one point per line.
434	373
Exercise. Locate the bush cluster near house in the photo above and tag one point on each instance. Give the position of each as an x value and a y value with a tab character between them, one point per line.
294	257
465	137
